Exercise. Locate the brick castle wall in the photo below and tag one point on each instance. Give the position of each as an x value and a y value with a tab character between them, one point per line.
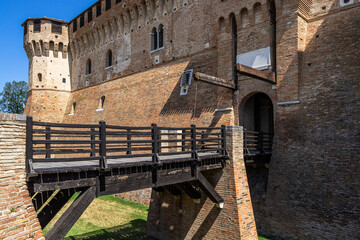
181	218
18	218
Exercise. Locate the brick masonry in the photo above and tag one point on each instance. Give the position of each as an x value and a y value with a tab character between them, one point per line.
17	214
181	218
311	189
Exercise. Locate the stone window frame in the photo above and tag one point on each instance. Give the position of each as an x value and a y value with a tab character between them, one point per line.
109	59
157	38
88	67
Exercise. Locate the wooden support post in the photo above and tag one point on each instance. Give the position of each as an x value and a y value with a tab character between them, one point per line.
155	145
193	141
129	143
93	146
210	191
48	137
214	80
102	162
223	141
71	215
29	145
183	137
257	74
261	143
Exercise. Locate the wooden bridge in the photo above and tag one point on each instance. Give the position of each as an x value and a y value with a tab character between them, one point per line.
101	159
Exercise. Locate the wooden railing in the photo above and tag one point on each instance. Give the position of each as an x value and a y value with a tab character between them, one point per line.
257	144
55	142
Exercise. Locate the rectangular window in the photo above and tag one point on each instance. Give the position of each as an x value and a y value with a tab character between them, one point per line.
118	1
108	4
75	25
82	20
89	15
98	9
56	27
37	26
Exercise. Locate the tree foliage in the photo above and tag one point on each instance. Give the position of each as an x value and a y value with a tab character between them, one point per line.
13	97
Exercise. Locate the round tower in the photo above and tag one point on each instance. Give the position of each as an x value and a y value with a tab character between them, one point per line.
46	44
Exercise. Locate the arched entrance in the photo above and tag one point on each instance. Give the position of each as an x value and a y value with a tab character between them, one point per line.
257	117
258	114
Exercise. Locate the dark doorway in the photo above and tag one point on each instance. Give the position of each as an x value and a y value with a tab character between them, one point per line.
258	114
257	118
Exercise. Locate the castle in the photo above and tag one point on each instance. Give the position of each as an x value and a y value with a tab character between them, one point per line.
288	68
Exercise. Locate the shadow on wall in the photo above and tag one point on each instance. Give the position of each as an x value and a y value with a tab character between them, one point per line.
201	97
194	221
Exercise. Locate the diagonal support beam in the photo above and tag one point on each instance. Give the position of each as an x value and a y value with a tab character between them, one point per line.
210	191
71	215
214	80
254	73
54	206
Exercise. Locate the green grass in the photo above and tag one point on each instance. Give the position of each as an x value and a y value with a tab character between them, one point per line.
264	238
109	217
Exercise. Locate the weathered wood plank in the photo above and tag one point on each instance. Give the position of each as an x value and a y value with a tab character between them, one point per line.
213	80
71	215
254	73
210	190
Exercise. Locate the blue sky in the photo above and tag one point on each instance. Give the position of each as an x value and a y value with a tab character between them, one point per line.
13	59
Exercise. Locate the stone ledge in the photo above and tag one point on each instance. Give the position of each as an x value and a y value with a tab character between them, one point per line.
12	117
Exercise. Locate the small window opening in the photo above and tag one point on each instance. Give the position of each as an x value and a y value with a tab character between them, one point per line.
101	104
64	80
88	67
89	15
161	36
108	4
82	20
154	39
40	77
98	9
73	109
56	27
37	26
185	82
75	25
109	59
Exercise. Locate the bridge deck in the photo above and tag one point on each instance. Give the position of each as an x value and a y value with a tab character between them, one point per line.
44	167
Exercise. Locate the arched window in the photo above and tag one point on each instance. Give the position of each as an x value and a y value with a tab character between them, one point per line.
157	38
109	59
161	36
154	39
40	77
88	67
257	13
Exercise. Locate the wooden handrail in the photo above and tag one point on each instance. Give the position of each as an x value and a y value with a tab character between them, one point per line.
57	142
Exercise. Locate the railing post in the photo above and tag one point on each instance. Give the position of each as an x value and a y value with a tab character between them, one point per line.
223	136
102	162
261	142
48	138
183	137
129	143
155	144
29	144
92	138
193	141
